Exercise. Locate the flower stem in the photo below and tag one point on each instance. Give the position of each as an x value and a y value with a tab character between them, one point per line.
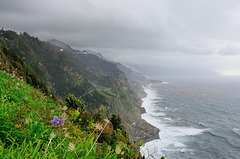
47	146
97	138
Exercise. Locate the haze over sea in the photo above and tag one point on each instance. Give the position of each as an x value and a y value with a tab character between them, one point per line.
196	119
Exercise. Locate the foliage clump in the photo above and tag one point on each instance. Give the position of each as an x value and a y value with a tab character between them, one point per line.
74	103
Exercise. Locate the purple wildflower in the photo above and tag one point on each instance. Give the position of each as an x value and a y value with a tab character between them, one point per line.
63	120
56	121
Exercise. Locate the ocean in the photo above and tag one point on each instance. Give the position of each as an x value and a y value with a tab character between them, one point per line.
196	120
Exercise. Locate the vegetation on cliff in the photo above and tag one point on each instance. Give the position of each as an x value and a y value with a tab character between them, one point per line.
33	125
89	77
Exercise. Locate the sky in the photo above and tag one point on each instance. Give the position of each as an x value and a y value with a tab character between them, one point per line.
156	37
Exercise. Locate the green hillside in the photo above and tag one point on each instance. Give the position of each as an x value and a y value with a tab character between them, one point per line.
112	82
26	115
99	83
11	63
51	65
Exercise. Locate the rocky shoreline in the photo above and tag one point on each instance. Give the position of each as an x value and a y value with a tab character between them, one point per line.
150	132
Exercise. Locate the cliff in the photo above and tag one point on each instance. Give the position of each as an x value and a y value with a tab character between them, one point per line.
97	81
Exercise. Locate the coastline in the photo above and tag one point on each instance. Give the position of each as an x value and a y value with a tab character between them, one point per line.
156	136
143	111
173	139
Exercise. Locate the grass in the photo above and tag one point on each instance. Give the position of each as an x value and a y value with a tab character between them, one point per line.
26	131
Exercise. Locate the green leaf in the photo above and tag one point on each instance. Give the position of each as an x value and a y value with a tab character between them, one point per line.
118	149
36	148
130	153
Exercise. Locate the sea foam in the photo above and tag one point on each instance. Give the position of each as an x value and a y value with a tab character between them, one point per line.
171	138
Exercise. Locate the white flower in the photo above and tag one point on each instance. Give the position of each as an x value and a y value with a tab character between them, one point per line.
27	121
65	108
52	135
67	135
71	147
106	120
64	115
98	126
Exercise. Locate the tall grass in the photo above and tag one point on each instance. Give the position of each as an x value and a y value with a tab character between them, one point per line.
26	131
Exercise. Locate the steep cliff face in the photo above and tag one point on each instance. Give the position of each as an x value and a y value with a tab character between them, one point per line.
12	64
98	82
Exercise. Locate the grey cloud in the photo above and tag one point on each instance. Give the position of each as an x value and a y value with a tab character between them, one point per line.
88	23
229	50
157	30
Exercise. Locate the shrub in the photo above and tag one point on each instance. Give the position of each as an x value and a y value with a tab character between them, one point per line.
74	103
117	122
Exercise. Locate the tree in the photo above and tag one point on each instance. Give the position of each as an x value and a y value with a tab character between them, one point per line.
117	122
73	102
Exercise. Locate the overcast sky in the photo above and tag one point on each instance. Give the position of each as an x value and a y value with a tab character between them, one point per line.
175	35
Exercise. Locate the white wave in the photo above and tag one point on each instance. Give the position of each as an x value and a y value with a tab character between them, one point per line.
236	130
187	131
165	82
148	101
168	119
160	83
157	114
171	138
178	144
166	108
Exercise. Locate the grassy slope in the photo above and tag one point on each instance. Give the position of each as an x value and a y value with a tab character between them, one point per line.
25	129
25	114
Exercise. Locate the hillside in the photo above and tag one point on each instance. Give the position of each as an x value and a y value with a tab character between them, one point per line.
98	82
51	65
26	118
11	63
133	76
32	125
135	79
122	98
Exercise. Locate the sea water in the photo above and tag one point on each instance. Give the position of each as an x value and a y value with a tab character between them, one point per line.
196	120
